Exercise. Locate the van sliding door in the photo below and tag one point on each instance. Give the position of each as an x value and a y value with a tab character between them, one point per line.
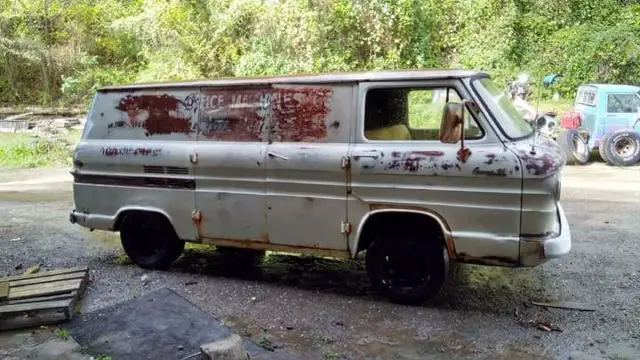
306	184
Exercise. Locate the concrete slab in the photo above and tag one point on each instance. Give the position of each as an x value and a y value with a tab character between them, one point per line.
41	344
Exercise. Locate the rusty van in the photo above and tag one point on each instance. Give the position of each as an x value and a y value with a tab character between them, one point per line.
413	168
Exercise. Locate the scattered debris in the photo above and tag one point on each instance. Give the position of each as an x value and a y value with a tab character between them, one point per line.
565	305
547	326
32	269
230	348
144	278
188	283
18	267
253	298
38	295
338	323
16	239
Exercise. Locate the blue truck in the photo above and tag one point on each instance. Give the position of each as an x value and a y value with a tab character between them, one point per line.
606	117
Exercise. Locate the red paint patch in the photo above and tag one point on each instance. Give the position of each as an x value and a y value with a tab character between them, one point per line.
300	114
297	114
166	114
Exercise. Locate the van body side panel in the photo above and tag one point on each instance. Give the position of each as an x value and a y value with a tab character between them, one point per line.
230	169
134	154
478	199
306	184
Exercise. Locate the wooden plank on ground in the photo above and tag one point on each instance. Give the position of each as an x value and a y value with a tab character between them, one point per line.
42	280
46	305
69	295
4	290
49	285
46	273
44	292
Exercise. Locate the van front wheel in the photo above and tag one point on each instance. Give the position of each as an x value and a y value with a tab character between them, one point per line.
407	268
150	240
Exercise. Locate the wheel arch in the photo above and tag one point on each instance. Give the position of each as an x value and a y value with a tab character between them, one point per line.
124	210
368	220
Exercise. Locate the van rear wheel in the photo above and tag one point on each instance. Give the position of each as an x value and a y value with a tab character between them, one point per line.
407	268
150	240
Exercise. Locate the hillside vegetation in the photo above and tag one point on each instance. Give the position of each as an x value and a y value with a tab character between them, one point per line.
59	51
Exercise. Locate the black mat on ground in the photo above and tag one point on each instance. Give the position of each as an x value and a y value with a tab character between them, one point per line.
157	325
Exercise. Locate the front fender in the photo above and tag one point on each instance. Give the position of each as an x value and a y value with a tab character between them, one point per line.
355	241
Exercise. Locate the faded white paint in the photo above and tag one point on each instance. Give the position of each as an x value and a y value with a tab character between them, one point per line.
263	190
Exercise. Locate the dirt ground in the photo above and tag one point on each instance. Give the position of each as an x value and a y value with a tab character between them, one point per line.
325	309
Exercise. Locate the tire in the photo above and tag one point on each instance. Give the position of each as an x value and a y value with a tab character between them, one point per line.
574	147
242	256
622	147
150	240
601	151
389	255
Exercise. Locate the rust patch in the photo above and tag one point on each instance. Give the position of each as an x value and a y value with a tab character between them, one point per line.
411	160
297	114
265	245
196	219
490	158
157	114
448	238
539	166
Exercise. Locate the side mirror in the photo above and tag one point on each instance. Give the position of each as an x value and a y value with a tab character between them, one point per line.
452	126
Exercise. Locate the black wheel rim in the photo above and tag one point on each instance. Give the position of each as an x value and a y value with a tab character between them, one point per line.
405	266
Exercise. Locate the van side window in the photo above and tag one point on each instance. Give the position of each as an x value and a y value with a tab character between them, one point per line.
586	97
411	114
623	103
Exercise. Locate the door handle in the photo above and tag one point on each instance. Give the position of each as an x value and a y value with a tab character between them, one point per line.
276	155
373	154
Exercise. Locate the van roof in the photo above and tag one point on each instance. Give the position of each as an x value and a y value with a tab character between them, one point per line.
344	77
614	87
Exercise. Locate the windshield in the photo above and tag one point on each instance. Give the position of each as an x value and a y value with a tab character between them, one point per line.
509	119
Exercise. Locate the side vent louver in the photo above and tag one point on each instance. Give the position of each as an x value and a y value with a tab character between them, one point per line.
172	170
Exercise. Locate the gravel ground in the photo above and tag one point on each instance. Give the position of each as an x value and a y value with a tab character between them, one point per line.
325	309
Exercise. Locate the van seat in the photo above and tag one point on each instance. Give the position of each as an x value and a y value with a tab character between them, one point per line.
394	132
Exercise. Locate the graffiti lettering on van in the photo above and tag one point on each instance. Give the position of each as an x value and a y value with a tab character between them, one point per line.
130	151
232	115
157	114
296	114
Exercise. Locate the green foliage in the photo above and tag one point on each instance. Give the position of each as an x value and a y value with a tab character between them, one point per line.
63	50
62	334
19	150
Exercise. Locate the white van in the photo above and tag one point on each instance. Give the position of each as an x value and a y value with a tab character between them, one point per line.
329	165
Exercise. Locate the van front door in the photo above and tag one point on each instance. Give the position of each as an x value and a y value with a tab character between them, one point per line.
230	167
306	185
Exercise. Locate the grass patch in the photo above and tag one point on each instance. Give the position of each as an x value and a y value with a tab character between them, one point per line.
62	334
23	150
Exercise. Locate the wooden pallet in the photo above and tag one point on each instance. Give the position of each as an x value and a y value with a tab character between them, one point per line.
55	291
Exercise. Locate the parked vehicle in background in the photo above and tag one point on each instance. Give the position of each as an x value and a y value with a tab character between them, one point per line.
607	117
416	168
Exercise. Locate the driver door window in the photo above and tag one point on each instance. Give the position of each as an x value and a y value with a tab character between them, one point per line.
411	114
